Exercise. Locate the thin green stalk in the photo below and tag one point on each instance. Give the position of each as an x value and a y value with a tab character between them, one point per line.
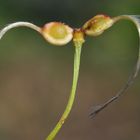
78	39
78	47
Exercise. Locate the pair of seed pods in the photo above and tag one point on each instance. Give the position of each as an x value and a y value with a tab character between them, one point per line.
59	34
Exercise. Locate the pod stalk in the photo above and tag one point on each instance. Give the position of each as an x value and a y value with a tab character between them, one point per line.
78	42
19	24
136	20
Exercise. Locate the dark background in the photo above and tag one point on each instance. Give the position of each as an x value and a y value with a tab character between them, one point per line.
35	77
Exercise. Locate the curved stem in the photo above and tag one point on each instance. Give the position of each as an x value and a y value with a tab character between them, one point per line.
136	20
78	47
78	41
19	24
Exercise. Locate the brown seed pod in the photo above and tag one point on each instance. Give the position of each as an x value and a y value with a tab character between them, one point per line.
96	25
57	33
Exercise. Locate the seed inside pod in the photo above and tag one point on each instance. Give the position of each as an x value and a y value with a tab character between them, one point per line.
57	33
96	25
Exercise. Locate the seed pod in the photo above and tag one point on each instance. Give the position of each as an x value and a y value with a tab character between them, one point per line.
96	25
57	33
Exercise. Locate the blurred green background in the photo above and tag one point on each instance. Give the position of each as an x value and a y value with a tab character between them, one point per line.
35	77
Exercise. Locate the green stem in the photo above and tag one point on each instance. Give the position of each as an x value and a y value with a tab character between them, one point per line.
78	47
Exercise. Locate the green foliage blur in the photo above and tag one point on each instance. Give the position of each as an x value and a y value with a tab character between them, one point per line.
35	77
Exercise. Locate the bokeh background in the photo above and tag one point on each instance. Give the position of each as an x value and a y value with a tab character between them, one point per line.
35	77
